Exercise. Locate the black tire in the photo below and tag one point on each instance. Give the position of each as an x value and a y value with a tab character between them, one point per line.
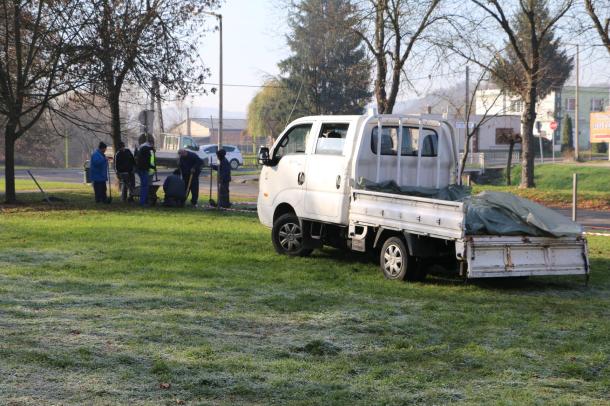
234	164
395	261
287	236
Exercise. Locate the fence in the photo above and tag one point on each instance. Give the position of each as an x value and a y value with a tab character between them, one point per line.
488	159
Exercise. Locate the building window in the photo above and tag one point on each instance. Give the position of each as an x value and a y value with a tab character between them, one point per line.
516	106
570	104
505	135
597	104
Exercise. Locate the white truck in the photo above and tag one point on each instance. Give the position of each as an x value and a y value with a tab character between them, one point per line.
167	155
309	196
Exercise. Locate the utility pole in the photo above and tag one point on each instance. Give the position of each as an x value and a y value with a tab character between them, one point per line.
66	149
157	97
576	134
188	121
466	109
220	94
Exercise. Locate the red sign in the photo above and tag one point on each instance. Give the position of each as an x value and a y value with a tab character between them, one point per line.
553	125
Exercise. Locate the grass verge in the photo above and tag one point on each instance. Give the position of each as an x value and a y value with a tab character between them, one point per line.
554	185
113	305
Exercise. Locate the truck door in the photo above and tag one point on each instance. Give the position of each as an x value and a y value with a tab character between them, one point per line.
326	181
284	182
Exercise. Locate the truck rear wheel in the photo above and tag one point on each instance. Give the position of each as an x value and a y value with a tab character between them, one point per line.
287	236
395	261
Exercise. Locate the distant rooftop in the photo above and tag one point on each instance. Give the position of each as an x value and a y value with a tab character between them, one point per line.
227	123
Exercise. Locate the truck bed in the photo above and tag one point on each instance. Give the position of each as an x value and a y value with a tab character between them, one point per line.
419	215
483	256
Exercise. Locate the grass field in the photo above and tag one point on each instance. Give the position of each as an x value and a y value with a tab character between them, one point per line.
111	305
554	185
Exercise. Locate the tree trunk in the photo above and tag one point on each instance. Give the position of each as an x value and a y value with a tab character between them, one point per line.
115	118
509	162
528	118
9	163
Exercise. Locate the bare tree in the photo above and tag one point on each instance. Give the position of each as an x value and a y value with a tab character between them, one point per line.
37	63
528	63
392	29
596	10
138	41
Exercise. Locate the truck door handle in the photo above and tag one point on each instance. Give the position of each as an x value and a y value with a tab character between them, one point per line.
338	183
301	178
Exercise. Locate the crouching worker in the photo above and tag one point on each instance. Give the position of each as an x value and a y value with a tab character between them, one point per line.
190	167
224	177
175	190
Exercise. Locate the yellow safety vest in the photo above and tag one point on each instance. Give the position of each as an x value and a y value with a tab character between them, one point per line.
153	162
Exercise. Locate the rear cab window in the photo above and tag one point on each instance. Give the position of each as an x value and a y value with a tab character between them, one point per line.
410	141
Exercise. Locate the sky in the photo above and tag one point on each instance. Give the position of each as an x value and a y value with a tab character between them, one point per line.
253	42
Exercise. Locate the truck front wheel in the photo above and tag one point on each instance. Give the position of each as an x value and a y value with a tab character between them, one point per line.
287	236
395	261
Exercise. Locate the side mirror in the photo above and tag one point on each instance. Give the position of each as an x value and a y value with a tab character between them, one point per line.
263	156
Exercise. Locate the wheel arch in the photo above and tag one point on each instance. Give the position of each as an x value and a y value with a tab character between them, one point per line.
281	209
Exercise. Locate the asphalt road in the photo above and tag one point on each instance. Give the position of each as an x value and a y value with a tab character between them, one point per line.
246	186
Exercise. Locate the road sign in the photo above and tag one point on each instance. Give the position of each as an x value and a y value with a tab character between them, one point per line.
553	125
600	127
462	124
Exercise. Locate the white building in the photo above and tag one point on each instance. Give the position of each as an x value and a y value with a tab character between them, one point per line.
550	109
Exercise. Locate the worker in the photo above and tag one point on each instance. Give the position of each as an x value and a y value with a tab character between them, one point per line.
145	162
190	167
99	173
175	190
124	165
224	177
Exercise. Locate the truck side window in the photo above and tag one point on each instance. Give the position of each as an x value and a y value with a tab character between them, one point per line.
331	139
293	142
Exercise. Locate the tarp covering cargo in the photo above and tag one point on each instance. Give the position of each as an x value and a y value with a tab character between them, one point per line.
454	193
491	213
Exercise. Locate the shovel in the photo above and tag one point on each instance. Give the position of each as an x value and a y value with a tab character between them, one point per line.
109	184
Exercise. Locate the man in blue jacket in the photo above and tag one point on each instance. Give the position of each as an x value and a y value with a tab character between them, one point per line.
99	173
190	167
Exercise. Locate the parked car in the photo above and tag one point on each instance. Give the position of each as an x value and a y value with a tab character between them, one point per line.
233	154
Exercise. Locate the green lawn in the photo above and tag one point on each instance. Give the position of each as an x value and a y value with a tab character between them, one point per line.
554	185
113	305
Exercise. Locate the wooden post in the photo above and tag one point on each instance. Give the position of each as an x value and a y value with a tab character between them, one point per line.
574	192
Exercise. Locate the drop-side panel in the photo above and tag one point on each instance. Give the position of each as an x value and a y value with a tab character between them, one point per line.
492	257
417	215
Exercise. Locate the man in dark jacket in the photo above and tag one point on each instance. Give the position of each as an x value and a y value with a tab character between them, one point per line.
224	177
190	167
175	190
145	162
124	165
99	173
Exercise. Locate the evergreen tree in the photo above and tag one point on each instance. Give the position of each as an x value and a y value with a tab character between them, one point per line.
328	70
566	134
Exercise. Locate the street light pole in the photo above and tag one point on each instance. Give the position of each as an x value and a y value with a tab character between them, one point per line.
220	74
